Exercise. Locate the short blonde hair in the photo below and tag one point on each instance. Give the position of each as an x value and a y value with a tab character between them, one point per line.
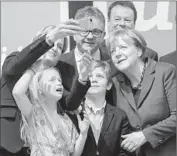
129	36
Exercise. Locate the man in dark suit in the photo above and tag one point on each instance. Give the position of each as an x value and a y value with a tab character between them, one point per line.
123	15
170	58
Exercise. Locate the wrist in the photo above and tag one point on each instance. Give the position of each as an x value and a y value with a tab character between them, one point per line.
32	71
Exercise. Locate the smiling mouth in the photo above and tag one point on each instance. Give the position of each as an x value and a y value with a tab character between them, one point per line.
90	43
119	61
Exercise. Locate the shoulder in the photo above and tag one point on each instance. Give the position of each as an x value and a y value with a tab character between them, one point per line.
171	55
164	66
118	113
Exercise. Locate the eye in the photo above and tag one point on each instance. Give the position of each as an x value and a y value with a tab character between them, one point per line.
113	51
128	20
100	76
123	47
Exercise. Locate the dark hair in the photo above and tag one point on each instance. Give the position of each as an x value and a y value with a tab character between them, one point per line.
90	11
127	4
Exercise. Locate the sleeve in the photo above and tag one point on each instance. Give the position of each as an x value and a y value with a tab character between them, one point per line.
16	63
125	129
72	100
165	129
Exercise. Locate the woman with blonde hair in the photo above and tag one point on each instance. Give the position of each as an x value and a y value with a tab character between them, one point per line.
146	91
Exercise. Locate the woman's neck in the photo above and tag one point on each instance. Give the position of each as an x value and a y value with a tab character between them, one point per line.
134	73
96	101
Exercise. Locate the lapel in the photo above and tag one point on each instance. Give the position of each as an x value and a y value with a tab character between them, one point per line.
126	89
147	81
108	117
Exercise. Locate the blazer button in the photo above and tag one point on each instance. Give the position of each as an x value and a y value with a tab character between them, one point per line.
138	127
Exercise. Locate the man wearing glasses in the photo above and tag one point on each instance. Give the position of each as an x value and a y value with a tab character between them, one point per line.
88	45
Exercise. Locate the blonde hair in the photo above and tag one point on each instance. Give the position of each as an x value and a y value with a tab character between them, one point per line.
129	36
37	101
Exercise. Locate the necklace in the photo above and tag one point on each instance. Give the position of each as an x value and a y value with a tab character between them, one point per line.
141	80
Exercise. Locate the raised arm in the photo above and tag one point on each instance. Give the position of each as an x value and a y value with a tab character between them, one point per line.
17	62
19	93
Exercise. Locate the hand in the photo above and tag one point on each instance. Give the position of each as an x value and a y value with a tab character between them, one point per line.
69	28
45	88
85	66
83	124
133	141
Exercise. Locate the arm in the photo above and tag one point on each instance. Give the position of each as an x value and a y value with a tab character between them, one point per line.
80	142
19	93
165	129
81	85
125	129
72	100
17	63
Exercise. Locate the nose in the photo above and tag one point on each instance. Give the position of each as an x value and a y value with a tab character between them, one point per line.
93	79
121	23
118	52
90	35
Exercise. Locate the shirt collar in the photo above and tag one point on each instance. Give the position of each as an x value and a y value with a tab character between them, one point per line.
78	55
93	109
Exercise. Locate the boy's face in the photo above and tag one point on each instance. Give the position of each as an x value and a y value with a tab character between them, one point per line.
99	81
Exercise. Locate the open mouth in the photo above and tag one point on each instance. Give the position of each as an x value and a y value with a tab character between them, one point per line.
59	90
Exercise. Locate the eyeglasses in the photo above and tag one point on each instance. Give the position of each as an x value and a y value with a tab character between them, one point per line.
95	32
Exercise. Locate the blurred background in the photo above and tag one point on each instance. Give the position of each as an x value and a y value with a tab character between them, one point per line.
21	20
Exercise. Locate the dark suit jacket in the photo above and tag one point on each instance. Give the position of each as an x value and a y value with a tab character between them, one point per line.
170	58
114	125
155	113
13	67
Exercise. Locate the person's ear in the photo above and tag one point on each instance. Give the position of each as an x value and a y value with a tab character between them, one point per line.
109	85
139	52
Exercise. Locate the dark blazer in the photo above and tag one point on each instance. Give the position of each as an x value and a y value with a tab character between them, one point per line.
155	113
114	125
170	58
15	64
